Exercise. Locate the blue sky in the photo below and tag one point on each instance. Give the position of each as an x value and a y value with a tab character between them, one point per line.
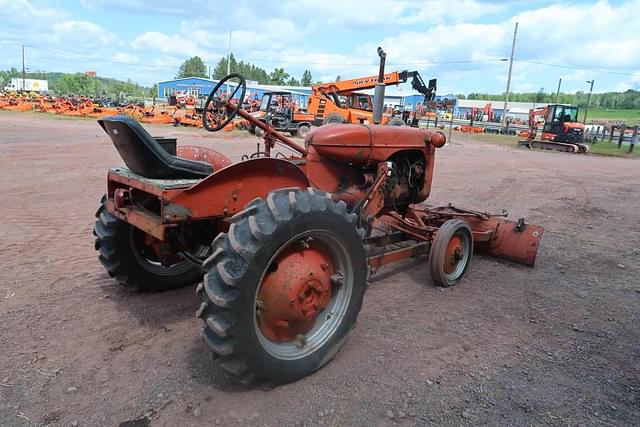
459	42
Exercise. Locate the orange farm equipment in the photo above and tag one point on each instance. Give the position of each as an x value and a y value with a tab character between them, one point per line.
561	130
282	245
281	111
340	101
155	116
17	103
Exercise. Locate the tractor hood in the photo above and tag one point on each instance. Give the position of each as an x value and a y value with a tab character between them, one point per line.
368	144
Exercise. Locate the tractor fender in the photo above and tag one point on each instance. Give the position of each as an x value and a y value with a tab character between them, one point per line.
227	191
202	154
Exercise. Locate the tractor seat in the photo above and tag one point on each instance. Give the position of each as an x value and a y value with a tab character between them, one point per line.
144	156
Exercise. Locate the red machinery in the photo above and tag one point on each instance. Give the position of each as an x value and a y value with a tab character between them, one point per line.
279	109
479	114
283	244
561	130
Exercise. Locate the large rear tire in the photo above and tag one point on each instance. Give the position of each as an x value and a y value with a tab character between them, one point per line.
333	118
451	253
121	254
283	287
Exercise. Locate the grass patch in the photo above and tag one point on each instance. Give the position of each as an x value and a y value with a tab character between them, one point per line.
630	117
493	138
605	148
46	115
602	148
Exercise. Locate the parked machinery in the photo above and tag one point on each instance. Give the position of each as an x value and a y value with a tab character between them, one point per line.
341	101
280	110
283	244
561	130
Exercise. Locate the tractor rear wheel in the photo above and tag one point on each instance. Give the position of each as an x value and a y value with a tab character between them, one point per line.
451	253
126	254
333	118
283	287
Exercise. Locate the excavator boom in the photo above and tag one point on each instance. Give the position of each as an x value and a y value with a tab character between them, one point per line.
369	82
326	106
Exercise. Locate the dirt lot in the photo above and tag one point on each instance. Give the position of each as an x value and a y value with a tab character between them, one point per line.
558	344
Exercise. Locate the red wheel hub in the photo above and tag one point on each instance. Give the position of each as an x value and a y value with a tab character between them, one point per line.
453	254
295	290
157	249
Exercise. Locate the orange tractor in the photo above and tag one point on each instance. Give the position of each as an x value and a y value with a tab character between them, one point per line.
340	102
281	111
282	245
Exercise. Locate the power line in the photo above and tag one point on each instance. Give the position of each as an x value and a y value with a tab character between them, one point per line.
90	57
281	61
463	61
574	67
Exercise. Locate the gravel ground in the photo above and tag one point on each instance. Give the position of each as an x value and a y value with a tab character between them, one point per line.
558	344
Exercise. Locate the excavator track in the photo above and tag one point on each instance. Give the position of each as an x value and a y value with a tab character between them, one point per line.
557	146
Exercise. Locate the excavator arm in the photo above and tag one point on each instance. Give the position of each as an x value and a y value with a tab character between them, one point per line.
418	84
393	78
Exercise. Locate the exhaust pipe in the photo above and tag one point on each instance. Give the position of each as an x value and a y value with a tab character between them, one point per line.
378	97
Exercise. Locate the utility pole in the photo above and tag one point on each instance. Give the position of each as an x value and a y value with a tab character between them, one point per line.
539	97
506	96
23	72
588	101
229	64
558	91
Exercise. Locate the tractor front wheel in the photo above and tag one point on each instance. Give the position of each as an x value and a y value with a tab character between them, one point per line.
283	287
396	121
303	130
451	253
136	260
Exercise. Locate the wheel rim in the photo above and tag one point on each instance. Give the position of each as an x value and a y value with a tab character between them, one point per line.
456	256
288	325
148	258
303	131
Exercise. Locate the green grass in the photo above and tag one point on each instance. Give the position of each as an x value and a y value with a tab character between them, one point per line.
51	116
605	148
602	148
492	138
630	117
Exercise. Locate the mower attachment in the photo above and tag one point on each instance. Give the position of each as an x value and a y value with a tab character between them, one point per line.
492	235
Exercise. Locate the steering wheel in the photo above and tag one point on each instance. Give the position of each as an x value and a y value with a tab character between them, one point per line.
218	111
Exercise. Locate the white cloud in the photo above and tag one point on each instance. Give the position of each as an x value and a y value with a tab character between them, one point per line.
125	58
600	35
154	41
168	7
633	82
338	37
73	34
18	10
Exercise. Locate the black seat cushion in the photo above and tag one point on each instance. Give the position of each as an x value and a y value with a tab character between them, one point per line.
144	156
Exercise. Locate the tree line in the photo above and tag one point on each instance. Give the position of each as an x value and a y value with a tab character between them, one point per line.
80	84
629	99
195	67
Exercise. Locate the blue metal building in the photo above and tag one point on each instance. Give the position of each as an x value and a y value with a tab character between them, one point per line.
198	86
194	86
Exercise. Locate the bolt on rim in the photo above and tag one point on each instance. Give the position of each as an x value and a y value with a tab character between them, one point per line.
457	256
